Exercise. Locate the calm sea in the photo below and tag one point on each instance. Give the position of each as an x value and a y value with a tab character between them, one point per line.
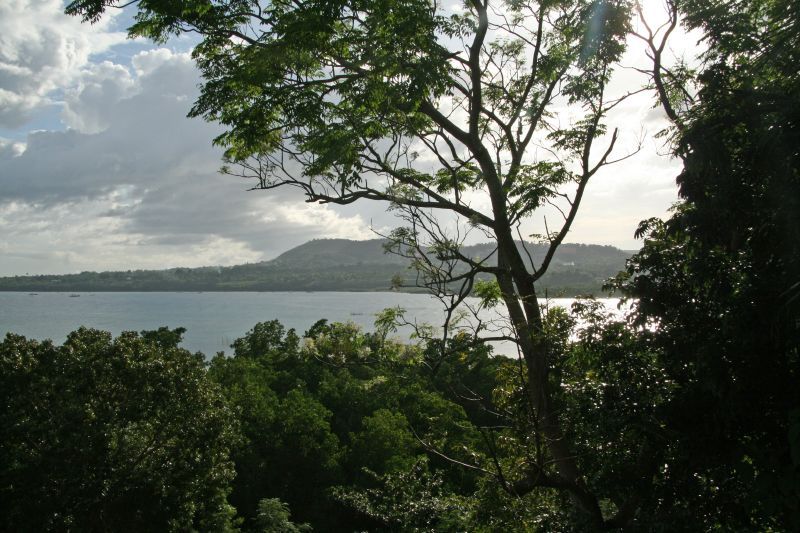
213	320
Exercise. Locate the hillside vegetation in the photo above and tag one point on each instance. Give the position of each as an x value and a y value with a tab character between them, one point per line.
328	265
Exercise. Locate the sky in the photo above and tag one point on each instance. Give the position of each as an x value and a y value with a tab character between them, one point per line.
101	170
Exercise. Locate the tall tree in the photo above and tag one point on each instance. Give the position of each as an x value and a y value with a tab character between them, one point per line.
451	116
721	277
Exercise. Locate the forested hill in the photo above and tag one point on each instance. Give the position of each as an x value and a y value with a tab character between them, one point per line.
326	265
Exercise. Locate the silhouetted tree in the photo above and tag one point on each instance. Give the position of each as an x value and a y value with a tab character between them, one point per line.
720	279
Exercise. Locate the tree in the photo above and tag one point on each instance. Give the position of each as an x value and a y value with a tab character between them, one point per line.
439	113
273	517
411	500
112	435
289	450
720	277
336	411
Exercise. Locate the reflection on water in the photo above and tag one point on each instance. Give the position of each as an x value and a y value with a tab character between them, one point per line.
213	320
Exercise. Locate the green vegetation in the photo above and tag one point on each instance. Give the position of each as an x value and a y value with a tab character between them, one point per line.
337	431
683	417
721	277
472	120
328	265
126	434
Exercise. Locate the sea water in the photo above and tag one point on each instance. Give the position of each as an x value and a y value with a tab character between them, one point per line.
213	320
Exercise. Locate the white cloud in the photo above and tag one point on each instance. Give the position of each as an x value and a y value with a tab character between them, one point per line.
9	149
133	182
135	185
99	87
42	51
148	61
315	216
82	235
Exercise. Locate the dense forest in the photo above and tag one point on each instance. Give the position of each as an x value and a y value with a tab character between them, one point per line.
330	265
682	416
339	430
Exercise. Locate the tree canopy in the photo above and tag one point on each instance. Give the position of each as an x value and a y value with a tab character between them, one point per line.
440	112
101	434
685	418
720	278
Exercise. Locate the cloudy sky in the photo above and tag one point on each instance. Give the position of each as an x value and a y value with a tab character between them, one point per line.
101	170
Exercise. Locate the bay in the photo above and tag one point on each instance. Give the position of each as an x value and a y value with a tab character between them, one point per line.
213	320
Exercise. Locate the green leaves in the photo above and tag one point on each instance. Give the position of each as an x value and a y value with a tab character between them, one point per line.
319	79
412	500
112	434
573	141
402	101
315	416
273	517
326	81
466	177
489	292
384	443
535	184
712	276
606	24
388	320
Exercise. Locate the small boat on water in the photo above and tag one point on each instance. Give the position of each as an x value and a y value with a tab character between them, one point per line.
74	295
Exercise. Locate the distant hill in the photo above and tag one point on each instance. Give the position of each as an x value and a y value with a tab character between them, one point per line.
323	253
327	265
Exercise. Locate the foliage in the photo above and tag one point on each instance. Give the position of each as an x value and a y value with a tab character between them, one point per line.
685	418
719	279
103	434
273	517
385	443
341	417
412	499
614	390
423	107
316	413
